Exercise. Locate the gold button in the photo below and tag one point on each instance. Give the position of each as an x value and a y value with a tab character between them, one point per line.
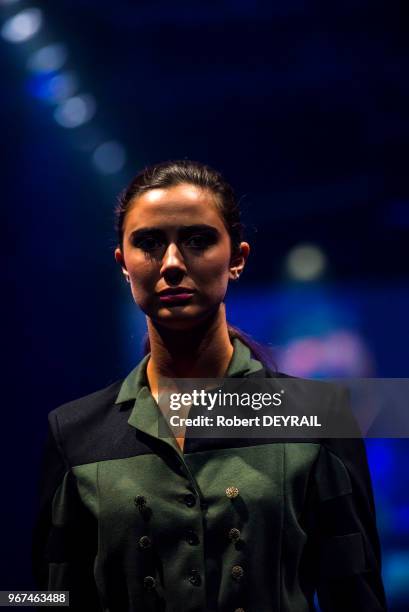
237	572
234	534
232	492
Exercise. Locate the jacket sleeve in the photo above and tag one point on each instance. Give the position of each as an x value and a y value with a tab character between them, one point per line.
342	523
65	539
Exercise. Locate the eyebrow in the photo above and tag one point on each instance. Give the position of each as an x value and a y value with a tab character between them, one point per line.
183	230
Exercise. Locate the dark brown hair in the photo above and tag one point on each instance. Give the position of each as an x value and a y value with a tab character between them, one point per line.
170	174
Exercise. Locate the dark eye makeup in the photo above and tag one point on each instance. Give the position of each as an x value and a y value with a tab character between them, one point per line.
195	237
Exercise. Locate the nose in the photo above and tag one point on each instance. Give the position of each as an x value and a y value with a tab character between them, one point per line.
173	262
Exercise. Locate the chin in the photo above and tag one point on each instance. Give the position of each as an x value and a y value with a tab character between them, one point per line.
181	319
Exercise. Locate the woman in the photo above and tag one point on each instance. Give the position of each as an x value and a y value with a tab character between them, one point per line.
132	521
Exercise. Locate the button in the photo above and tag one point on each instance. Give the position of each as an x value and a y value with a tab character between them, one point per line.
192	537
232	492
140	501
234	534
189	500
144	542
149	583
237	572
239	610
194	578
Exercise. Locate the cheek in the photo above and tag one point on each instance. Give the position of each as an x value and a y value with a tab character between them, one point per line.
212	276
216	267
144	276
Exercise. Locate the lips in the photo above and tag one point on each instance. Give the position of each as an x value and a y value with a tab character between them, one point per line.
175	290
175	297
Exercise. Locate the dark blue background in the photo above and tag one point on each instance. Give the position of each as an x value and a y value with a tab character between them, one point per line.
304	107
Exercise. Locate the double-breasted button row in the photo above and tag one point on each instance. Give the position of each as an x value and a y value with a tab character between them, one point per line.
144	541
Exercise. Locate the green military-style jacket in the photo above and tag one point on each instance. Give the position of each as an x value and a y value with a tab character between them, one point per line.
130	523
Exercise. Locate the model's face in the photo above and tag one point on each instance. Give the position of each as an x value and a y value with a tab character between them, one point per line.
175	237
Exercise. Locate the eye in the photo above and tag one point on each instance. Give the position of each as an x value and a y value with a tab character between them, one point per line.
149	243
198	241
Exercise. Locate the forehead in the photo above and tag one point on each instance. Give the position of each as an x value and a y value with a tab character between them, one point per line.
173	206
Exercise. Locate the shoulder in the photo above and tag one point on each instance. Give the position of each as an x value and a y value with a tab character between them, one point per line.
342	462
331	402
83	428
87	406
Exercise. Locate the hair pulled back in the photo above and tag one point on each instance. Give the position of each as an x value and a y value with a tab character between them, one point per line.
176	172
172	173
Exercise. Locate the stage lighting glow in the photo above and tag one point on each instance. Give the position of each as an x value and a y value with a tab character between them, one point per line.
396	572
48	59
75	111
340	353
109	157
61	87
22	26
53	89
305	262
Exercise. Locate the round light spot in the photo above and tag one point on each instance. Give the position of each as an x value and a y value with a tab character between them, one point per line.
54	89
48	59
109	157
22	26
75	111
306	262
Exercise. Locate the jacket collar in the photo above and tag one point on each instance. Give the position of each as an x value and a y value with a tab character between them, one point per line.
146	414
241	365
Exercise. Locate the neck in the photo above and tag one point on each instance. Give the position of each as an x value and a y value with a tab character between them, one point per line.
202	352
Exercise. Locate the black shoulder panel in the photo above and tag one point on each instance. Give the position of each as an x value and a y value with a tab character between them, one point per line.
94	428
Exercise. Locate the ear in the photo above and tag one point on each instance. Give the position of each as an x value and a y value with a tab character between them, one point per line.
238	261
119	258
